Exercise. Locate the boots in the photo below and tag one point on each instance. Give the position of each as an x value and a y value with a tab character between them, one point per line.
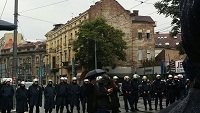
155	107
150	108
145	107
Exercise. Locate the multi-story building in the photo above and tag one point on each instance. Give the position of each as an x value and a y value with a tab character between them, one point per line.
8	37
139	33
30	60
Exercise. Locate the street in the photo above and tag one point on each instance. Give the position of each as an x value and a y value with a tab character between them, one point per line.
140	107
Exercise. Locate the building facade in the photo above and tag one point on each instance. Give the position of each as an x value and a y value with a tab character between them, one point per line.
31	57
59	39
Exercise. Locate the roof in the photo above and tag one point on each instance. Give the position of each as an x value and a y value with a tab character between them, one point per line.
147	19
166	40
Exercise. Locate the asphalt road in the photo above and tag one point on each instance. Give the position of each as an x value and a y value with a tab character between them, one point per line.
140	107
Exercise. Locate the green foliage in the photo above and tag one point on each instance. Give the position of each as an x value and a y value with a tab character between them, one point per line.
110	45
180	48
149	63
170	8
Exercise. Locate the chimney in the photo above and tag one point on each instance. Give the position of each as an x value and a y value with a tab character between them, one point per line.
135	12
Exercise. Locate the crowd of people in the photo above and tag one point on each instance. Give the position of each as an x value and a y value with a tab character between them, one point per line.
96	95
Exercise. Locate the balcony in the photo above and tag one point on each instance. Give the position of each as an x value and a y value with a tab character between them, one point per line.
64	44
51	50
70	41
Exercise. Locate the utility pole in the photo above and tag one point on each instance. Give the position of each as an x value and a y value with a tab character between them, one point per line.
95	51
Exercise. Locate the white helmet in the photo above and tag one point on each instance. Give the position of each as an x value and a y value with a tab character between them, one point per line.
23	83
175	77
62	78
74	78
86	80
115	78
158	76
98	78
65	78
144	77
170	76
135	76
50	80
126	77
35	80
8	80
180	75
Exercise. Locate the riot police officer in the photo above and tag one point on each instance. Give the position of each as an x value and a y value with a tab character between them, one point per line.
182	86
135	90
177	88
170	90
158	88
146	90
126	89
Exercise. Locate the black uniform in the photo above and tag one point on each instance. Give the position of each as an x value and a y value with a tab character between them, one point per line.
74	100
49	94
158	88
83	96
92	98
177	89
135	91
114	97
21	99
170	86
7	98
182	88
146	90
127	89
35	97
62	92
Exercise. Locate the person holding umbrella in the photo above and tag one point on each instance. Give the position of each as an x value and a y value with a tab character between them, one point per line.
7	97
49	94
35	96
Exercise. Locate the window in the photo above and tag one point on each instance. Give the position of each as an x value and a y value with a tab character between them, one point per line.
140	55
37	59
148	34
148	54
139	34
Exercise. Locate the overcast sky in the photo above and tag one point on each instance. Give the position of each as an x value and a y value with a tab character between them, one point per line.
64	10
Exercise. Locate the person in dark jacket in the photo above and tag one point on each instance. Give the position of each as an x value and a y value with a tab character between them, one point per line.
182	86
83	94
1	85
114	95
91	96
49	94
74	92
62	91
67	97
135	90
146	90
35	96
126	89
7	97
104	90
170	86
21	98
177	85
158	88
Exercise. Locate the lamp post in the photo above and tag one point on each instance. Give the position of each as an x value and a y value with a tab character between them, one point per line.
95	52
61	63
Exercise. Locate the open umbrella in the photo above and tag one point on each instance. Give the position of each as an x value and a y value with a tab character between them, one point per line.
4	25
94	73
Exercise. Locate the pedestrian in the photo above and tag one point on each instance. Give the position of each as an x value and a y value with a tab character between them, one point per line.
114	95
146	90
158	88
127	96
83	94
62	91
1	85
7	97
74	93
49	95
177	88
67	96
21	98
35	96
182	86
135	91
104	90
91	95
170	87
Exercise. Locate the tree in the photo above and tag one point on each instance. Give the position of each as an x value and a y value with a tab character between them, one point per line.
180	48
170	8
110	45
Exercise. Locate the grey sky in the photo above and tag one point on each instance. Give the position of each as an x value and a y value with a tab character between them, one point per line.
62	12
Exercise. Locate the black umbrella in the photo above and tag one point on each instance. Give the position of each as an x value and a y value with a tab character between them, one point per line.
4	25
94	73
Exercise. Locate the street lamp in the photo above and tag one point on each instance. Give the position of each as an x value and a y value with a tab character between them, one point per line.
61	62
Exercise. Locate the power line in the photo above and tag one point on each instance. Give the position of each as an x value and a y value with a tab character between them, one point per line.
43	6
37	19
3	9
